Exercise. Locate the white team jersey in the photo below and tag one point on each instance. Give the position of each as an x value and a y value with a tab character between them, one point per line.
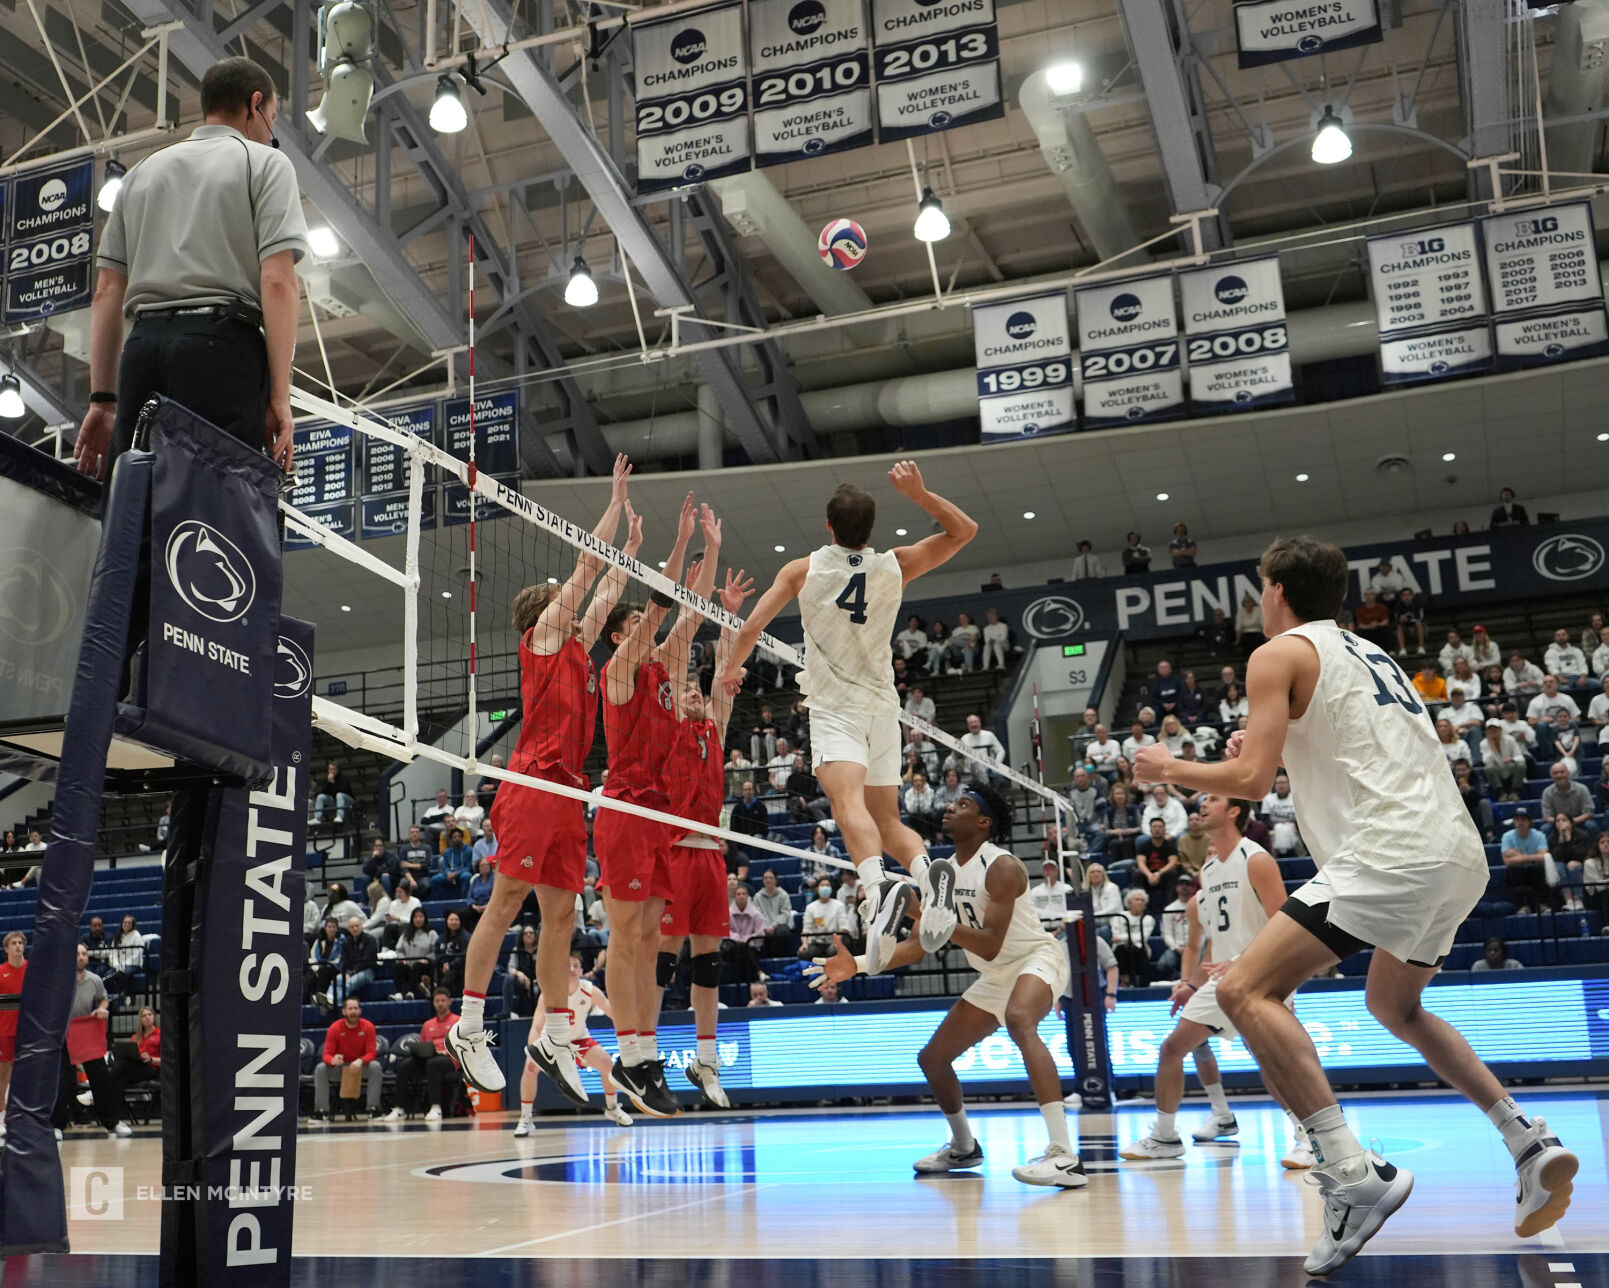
581	1003
1367	772
1231	914
1024	933
848	606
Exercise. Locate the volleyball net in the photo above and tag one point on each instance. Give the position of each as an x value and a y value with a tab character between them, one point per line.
455	575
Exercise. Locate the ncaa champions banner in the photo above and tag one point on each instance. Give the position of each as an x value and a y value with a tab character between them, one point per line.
1271	31
47	217
1025	367
692	97
1547	294
1236	340
812	78
938	65
1128	351
1429	303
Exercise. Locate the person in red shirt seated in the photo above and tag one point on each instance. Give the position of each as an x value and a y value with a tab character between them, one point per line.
136	1059
12	971
438	1070
350	1040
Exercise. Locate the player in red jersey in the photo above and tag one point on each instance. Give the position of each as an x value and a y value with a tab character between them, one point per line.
542	836
12	971
639	722
695	775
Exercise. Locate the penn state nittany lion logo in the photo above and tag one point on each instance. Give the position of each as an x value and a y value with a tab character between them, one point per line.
854	561
665	698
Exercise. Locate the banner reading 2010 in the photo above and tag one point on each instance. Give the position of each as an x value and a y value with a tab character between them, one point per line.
812	78
692	97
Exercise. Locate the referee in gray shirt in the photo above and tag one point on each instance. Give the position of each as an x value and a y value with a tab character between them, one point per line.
200	251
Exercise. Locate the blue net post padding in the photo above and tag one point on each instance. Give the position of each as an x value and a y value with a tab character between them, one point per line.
1086	1007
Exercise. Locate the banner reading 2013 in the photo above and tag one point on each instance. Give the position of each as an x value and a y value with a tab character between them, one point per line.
692	97
1128	351
812	78
938	65
1025	367
1236	341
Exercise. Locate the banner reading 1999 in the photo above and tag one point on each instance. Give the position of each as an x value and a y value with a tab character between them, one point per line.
812	78
1025	367
1236	341
1128	350
692	97
938	65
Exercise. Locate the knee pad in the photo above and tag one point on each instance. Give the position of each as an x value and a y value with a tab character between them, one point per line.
707	970
665	969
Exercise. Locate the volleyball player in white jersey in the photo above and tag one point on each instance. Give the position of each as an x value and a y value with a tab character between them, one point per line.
1240	890
1400	867
849	602
585	998
1022	970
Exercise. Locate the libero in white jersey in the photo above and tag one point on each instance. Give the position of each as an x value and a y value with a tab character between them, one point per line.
849	600
1401	868
585	997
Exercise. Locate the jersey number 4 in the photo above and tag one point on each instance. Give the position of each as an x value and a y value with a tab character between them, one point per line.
1381	670
852	599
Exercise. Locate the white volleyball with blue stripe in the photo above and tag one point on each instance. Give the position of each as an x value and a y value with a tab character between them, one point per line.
842	244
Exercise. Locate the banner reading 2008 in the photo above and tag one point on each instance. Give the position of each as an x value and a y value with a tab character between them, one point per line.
1128	350
1236	340
938	65
1025	367
812	78
692	97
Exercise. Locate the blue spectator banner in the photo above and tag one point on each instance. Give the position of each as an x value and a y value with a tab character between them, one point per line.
692	96
1129	351
938	65
1547	293
1271	31
1429	303
1025	367
323	461
812	78
385	467
497	431
49	228
1237	344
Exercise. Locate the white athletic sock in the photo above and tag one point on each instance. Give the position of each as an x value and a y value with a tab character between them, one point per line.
647	1045
871	870
472	1014
1164	1129
525	1108
960	1134
628	1046
918	866
1220	1102
556	1028
1298	1132
610	1099
1334	1145
1505	1115
707	1054
1056	1124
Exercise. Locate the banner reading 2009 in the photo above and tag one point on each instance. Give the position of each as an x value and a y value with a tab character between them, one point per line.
692	97
1128	351
812	78
938	65
1236	340
1025	367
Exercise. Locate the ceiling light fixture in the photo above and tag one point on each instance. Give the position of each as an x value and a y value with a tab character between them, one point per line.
345	46
1161	496
1603	438
446	594
111	184
902	532
323	242
346	608
1027	514
11	405
553	581
932	224
1449	456
580	291
1064	79
780	549
448	114
1331	143
1301	478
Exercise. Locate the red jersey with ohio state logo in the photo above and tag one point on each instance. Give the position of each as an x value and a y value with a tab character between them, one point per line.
639	733
560	694
695	775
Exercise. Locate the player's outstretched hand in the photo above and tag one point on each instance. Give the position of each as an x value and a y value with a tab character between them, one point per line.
712	528
1151	763
907	479
633	531
1182	993
1216	970
732	679
839	967
1233	746
686	521
738	588
617	491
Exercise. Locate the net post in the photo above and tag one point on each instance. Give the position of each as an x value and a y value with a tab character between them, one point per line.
474	719
410	603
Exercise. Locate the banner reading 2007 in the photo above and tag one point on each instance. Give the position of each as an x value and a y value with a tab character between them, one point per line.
938	65
692	97
1025	367
812	78
1236	340
1128	351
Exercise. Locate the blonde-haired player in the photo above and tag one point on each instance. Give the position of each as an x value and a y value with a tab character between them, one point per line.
585	998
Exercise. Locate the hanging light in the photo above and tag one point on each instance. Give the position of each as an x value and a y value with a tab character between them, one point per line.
111	184
11	405
580	292
447	114
1063	80
1331	144
932	224
322	241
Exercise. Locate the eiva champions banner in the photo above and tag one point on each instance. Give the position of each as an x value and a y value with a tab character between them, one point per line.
692	97
1547	293
1430	304
812	78
938	65
1128	351
1236	341
1270	31
1025	367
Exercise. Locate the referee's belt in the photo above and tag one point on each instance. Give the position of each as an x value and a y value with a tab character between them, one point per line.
239	311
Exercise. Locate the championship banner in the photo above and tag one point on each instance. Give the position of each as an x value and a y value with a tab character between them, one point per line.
1236	340
497	431
48	221
1429	303
1025	367
322	456
1547	292
812	78
938	65
692	97
339	517
383	505
1271	31
1128	351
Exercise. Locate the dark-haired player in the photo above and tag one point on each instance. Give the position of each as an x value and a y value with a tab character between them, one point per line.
849	601
1022	970
541	836
1400	868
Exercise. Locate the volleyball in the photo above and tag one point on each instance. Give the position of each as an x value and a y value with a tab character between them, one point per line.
842	244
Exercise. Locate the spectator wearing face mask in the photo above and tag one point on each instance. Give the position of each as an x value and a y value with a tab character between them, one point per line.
822	918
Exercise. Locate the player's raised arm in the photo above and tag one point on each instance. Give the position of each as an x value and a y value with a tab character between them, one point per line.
928	553
553	626
787	585
677	646
634	649
607	594
738	587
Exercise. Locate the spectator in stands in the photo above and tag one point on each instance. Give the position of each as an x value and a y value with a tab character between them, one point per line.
1453	747
415	856
921	756
323	964
1219	633
1049	897
760	995
745	937
360	957
468	816
1466	718
1387	582
828	994
454	866
1136	556
1125	775
1165	687
1182	549
1174	926
1480	809
1521	678
948	790
414	970
437	818
1570	849
89	1000
1409	612
1463	676
1493	694
1248	625
450	949
938	640
1494	956
751	818
918	704
1120	827
1503	762
99	945
1483	650
780	766
334	792
1525	855
823	917
486	847
983	746
135	1061
911	643
10	845
392	914
962	652
1103	753
1600	653
1085	801
1567	742
1086	566
1520	730
1191	704
763	735
1156	857
125	959
775	906
1172	735
486	789
1595	873
1544	708
479	893
1166	809
383	870
921	805
424	1060
1452	650
1373	619
1598	713
996	640
1563	795
1508	512
739	770
1078	743
36	842
1427	682
904	673
1137	739
1194	845
1279	812
519	979
1132	941
994	583
1231	707
1564	661
1108	900
351	1040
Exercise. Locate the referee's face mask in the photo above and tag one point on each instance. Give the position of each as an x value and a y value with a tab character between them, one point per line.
260	120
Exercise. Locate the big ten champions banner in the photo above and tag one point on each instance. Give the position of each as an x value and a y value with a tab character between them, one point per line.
496	425
1128	350
1547	294
692	97
1270	31
383	507
1430	304
1236	342
324	479
47	219
812	78
1025	367
938	65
